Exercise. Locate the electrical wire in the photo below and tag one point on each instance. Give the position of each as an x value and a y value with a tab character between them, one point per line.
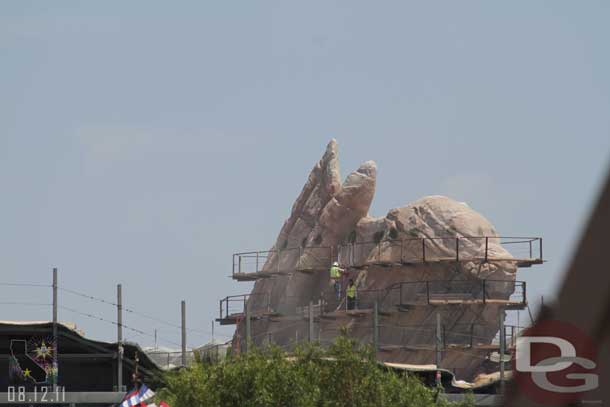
25	303
85	314
24	285
132	311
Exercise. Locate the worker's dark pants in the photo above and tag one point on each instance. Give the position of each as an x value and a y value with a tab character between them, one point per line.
337	286
351	302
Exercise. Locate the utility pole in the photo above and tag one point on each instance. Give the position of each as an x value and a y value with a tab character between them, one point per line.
183	309
119	327
438	348
311	334
55	336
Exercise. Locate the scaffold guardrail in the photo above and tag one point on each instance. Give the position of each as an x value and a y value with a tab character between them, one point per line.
524	251
392	298
440	292
233	307
521	251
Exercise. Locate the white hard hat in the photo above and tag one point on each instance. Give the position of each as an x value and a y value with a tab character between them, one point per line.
336	263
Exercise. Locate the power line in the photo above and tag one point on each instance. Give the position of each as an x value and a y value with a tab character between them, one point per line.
137	331
132	311
24	285
25	303
104	320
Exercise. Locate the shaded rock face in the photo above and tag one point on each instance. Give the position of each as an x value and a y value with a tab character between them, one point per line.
329	221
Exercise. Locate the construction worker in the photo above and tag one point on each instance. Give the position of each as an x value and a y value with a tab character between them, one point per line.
335	278
351	295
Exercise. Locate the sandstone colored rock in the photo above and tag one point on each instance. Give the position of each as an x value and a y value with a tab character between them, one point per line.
329	221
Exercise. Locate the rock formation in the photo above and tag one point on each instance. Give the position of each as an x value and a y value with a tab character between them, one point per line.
329	221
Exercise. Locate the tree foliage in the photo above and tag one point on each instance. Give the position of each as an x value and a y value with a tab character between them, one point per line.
345	374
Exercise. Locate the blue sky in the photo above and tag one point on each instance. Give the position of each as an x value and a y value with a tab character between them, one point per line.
144	142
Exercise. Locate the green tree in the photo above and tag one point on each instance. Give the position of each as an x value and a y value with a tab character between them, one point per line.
345	374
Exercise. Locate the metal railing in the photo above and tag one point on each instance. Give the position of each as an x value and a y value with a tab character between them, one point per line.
521	250
471	335
282	261
438	292
431	249
397	295
234	306
170	359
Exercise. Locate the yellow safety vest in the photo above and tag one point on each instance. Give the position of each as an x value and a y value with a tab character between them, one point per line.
351	291
334	272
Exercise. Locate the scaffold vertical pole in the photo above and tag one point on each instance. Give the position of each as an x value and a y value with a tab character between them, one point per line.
502	349
248	327
486	248
439	339
376	327
423	249
438	348
311	334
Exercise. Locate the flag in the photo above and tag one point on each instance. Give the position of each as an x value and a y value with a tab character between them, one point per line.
161	404
136	397
128	397
145	393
